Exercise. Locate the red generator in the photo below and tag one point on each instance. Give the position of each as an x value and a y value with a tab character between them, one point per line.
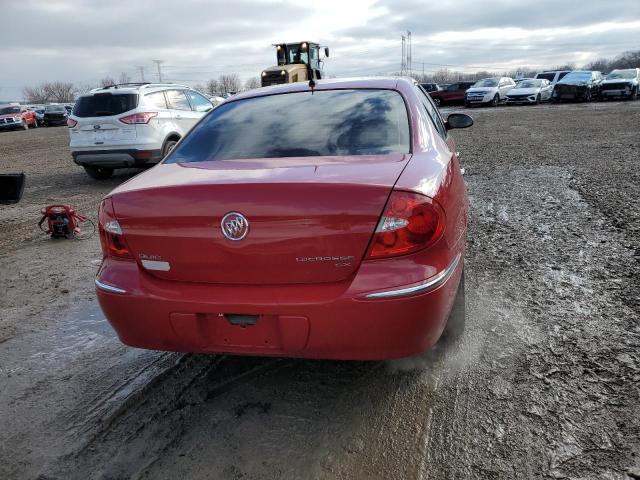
63	221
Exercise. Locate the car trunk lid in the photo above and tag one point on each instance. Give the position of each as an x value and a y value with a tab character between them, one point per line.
310	219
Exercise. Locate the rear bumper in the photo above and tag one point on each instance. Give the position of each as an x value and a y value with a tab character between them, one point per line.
117	158
328	321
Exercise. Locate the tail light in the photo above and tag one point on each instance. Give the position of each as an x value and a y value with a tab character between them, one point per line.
139	118
71	122
410	222
111	236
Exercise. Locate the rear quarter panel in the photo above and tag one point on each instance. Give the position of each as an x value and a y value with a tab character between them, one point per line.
435	172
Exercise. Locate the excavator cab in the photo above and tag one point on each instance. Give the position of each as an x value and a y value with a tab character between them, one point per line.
297	62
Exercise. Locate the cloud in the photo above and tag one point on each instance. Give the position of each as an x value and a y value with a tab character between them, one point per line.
84	40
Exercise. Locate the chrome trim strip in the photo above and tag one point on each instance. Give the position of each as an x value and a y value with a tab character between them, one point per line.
430	284
108	288
156	265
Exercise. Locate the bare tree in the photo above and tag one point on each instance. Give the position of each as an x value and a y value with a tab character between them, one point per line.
61	92
229	83
251	83
37	94
84	88
106	81
212	88
124	78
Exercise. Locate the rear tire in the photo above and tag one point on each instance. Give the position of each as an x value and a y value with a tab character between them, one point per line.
168	147
538	99
98	173
495	101
457	318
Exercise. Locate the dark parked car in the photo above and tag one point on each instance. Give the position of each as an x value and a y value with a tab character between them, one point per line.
55	115
430	87
452	94
579	85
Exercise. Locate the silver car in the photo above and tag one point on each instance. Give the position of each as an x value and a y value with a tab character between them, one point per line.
531	91
489	91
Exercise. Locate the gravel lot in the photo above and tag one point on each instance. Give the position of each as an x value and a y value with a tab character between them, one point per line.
545	382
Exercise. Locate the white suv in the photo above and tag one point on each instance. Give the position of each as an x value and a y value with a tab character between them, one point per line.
131	125
489	91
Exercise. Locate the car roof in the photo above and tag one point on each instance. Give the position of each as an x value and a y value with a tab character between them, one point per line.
136	88
384	83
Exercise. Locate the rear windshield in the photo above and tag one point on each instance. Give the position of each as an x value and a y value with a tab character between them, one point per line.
105	104
301	124
54	108
546	76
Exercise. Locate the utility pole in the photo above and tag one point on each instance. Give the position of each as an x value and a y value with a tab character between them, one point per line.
409	69
403	65
140	69
158	63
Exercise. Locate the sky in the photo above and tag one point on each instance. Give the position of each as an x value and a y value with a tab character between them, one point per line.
83	41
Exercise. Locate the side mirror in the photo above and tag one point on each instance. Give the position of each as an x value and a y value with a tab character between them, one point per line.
458	120
326	51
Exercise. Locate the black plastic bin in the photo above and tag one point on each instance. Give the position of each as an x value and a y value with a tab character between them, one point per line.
11	187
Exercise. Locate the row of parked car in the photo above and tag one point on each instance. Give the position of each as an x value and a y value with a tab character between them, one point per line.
16	116
556	86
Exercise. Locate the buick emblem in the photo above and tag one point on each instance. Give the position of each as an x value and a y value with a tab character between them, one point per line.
234	226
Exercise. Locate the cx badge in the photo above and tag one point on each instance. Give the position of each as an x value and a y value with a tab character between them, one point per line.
234	226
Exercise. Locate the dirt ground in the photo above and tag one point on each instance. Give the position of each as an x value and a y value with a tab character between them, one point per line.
545	382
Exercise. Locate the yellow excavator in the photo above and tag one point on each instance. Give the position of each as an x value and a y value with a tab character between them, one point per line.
297	62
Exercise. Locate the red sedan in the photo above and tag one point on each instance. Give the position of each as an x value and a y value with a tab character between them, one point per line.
324	222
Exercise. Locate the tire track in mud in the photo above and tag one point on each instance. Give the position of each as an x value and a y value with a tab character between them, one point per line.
149	421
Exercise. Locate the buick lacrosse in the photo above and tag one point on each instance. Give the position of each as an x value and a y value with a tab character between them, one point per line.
320	221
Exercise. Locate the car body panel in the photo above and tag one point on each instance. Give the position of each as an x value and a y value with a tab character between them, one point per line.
621	87
572	88
17	119
553	76
479	95
106	141
451	94
530	95
323	315
337	202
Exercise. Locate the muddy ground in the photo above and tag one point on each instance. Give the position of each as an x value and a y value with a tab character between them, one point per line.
545	382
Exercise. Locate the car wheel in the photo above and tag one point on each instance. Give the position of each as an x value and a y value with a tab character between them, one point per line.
634	94
467	105
98	173
495	101
168	147
538	99
35	123
437	101
25	126
457	318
